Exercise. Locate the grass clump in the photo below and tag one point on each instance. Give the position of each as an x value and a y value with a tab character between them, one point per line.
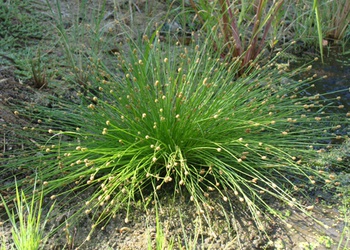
178	121
27	224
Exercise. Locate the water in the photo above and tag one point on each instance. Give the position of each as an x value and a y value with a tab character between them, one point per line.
337	68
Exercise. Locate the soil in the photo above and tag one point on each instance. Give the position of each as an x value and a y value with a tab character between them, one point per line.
233	230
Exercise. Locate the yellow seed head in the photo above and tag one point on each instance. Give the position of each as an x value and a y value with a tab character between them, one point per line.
168	179
255	180
205	81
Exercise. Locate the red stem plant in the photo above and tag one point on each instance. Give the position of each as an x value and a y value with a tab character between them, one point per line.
236	45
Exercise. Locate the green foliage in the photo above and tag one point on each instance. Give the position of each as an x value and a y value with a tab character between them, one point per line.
83	39
179	120
18	24
336	19
330	20
244	36
26	221
319	27
174	120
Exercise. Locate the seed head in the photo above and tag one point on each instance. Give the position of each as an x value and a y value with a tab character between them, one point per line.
167	179
205	81
310	208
